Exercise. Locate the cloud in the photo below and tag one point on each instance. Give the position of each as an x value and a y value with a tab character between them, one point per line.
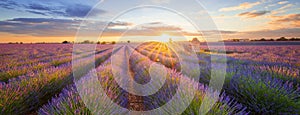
41	20
162	28
290	20
148	32
282	9
253	14
271	5
150	29
287	32
9	4
79	10
267	33
242	6
217	32
159	26
40	26
285	7
154	23
36	12
283	2
70	9
119	23
160	1
49	27
191	33
38	7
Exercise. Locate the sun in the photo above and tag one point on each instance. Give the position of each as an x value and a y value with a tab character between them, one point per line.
164	37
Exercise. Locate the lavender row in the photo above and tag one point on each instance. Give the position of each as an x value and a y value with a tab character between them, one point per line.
264	88
157	48
285	78
263	93
225	105
35	54
69	102
41	64
27	93
280	71
17	55
165	57
272	53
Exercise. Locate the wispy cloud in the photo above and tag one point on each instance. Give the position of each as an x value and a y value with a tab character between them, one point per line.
242	6
161	27
119	23
253	14
38	7
267	33
285	21
151	29
211	32
290	32
49	27
271	5
285	7
8	4
282	9
79	10
160	1
283	2
66	10
40	26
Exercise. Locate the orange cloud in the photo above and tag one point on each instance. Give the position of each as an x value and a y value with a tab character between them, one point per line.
267	33
283	2
285	7
253	14
286	21
282	9
242	6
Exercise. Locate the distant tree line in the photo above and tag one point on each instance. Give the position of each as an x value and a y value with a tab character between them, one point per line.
92	42
278	39
72	42
15	42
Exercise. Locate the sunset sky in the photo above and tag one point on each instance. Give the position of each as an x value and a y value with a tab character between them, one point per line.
59	20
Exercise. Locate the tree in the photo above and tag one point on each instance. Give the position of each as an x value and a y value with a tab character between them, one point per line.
87	42
128	41
103	42
195	41
262	39
113	42
282	39
295	39
65	42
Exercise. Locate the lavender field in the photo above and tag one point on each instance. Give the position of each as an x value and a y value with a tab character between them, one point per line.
39	78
